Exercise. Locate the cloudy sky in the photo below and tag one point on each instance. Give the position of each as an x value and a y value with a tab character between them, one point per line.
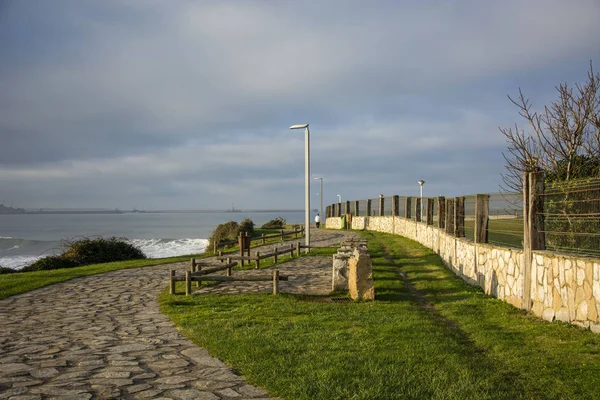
159	104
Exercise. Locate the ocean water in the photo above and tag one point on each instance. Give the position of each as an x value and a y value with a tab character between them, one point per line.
28	237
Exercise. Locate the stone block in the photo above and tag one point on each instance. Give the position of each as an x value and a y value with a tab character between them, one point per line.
360	278
339	278
548	314
563	315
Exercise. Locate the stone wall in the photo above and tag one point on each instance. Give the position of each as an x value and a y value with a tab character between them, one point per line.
563	287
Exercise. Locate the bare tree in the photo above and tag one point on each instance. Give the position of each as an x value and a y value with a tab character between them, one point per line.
563	138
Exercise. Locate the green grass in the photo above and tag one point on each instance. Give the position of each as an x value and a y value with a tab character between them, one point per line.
21	282
431	336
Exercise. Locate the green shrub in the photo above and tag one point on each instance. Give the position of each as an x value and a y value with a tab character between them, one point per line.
49	263
100	250
226	231
6	270
247	226
277	223
88	251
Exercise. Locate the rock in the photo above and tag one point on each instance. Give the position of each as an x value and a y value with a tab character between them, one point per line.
252	391
191	394
202	357
360	279
339	279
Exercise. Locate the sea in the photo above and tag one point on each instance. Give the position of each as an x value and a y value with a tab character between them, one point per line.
24	238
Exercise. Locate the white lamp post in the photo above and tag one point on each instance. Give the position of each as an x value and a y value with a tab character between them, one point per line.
320	194
421	182
306	182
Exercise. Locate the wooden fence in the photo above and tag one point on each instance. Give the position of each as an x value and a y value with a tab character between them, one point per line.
246	241
197	274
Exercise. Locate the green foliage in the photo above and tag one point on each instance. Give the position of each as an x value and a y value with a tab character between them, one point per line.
277	223
6	270
100	250
247	226
50	263
582	166
226	231
86	252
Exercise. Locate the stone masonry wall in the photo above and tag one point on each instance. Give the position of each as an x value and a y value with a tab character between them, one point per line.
563	287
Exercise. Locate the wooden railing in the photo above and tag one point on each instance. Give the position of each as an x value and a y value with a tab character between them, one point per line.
197	274
263	238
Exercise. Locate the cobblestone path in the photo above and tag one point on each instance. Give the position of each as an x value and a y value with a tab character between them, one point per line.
104	337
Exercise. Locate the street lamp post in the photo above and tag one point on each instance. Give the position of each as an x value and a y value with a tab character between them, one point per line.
421	182
306	182
321	195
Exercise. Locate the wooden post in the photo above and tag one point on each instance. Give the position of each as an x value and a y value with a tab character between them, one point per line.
347	208
194	268
418	209
356	207
450	216
395	205
292	249
408	208
536	209
429	211
248	244
228	268
459	217
482	217
275	255
368	207
441	212
221	256
295	232
276	281
241	242
215	246
527	253
172	282
381	205
298	248
257	260
188	283
263	238
339	209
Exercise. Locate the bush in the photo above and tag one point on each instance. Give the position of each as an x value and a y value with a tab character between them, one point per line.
277	223
226	231
100	250
88	251
247	226
6	270
50	263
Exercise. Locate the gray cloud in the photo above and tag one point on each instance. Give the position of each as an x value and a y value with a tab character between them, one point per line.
187	105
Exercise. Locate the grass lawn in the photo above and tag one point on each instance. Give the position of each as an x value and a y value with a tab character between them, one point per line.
21	282
427	335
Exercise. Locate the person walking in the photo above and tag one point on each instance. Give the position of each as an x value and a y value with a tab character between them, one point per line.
318	221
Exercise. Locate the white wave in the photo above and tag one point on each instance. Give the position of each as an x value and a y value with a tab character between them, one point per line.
18	262
5	237
160	248
152	248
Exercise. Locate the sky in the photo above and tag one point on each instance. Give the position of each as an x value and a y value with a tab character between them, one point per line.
156	104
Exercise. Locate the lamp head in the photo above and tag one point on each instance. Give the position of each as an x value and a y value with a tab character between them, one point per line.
421	182
299	126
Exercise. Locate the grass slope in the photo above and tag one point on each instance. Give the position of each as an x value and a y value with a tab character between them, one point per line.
428	335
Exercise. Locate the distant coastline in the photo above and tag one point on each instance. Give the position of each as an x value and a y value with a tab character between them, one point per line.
4	210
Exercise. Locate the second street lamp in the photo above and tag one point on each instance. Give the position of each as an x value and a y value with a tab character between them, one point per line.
306	182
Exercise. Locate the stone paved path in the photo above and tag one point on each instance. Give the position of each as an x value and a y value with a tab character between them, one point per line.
103	337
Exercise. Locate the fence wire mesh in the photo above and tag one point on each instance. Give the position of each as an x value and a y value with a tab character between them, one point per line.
505	227
571	212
